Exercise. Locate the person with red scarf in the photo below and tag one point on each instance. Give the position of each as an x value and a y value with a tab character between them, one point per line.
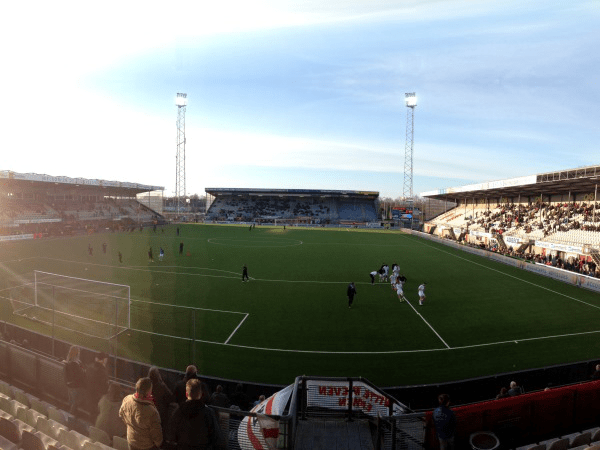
139	413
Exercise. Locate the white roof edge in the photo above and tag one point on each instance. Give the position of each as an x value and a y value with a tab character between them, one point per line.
7	174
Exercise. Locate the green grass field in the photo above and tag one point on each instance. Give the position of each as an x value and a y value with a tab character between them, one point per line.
292	318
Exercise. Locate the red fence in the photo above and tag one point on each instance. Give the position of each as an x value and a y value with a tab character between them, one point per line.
527	418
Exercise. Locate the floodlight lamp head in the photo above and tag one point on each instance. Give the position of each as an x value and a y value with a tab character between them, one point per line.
181	99
411	99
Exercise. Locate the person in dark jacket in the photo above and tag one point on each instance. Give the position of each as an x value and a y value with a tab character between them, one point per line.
191	372
240	399
75	378
162	396
97	381
194	425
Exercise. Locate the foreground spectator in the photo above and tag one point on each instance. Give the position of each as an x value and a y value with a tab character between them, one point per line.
194	425
162	396
141	418
74	374
445	422
97	381
191	372
108	419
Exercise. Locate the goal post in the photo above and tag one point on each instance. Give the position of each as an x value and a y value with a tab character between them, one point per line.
95	308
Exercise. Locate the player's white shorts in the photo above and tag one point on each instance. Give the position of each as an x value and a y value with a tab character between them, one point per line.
399	290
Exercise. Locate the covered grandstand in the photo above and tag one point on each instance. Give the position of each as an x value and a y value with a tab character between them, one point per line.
292	206
39	203
551	218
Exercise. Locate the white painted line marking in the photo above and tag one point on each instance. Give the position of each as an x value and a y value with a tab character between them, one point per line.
236	328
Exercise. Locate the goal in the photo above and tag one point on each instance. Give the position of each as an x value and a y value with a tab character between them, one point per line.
94	308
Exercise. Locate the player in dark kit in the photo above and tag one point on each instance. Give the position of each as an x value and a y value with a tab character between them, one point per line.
150	257
245	273
181	248
90	250
351	293
120	257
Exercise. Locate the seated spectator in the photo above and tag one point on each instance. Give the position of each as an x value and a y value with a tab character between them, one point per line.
503	394
193	424
515	389
261	398
108	419
596	374
219	398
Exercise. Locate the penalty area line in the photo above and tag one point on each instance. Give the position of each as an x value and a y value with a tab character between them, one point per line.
236	328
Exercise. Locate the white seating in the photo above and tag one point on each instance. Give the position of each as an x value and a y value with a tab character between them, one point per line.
50	427
21	397
32	417
46	440
29	441
58	416
581	439
6	389
11	406
22	414
120	443
559	444
39	405
98	435
22	426
5	405
5	444
72	439
91	446
10	431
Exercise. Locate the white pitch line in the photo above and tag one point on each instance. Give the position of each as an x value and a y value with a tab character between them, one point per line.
187	307
383	352
236	328
428	324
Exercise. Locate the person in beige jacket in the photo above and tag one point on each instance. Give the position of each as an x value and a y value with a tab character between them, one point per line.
141	417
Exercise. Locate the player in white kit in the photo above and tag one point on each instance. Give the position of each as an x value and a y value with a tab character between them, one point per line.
421	293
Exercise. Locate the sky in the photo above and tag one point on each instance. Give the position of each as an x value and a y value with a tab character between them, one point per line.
300	94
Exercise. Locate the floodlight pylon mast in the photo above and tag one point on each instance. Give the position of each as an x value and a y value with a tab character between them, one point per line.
181	102
411	102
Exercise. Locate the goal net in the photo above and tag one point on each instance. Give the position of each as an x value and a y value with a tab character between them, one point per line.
90	307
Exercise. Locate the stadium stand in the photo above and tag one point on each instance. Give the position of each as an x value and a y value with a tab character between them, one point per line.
292	206
560	228
47	205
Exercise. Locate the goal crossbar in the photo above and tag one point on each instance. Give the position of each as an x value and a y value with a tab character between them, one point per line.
83	305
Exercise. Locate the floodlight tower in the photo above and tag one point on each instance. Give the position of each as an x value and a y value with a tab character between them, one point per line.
181	102
411	101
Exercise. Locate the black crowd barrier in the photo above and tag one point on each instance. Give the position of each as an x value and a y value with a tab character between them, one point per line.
32	373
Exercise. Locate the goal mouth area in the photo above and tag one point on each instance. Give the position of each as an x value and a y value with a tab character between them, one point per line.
68	322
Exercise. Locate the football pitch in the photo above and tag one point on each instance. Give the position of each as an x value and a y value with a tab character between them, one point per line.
292	317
